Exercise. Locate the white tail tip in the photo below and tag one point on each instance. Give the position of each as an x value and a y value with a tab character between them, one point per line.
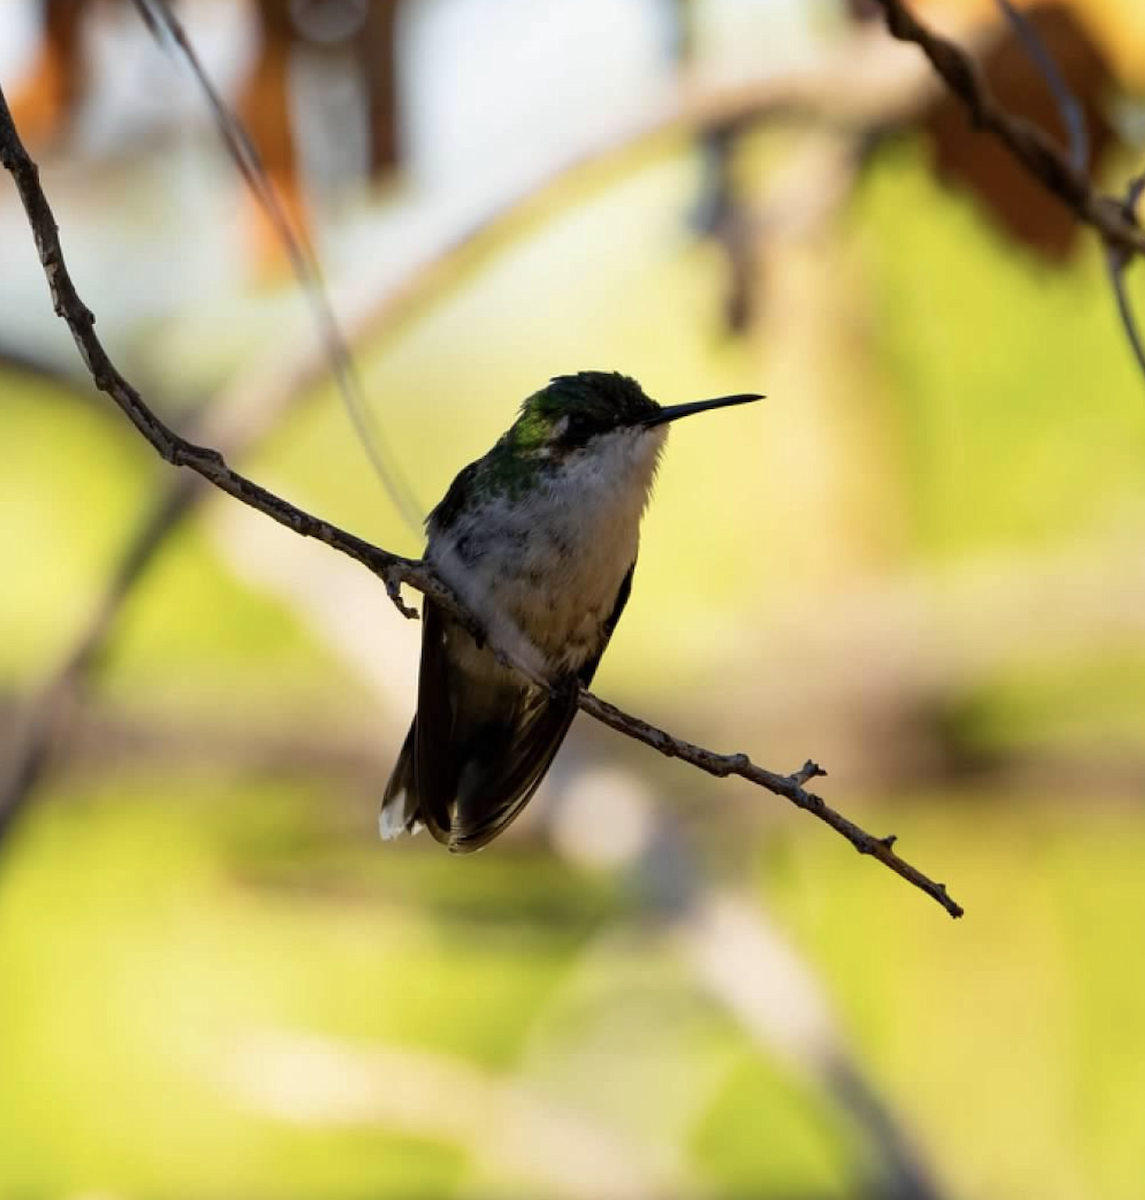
394	821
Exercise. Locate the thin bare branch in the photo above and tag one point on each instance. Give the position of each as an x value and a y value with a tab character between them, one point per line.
178	451
392	569
1115	220
1034	148
1073	118
1072	113
1117	263
790	787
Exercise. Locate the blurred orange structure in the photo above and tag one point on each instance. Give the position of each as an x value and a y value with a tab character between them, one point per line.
1089	52
57	85
1017	202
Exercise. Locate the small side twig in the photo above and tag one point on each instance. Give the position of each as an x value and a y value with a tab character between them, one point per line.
391	568
1072	113
1117	261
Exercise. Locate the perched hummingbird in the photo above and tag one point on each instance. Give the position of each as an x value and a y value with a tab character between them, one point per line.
539	539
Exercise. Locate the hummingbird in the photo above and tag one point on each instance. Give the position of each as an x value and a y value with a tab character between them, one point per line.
538	538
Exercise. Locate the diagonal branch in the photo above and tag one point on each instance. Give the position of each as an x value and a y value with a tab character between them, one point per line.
1071	111
790	787
1117	259
392	569
178	451
1034	148
1064	176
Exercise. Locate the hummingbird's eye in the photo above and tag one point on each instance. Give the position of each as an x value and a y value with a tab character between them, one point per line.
578	429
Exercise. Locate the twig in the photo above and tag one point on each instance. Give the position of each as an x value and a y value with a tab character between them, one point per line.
1073	117
1072	113
1030	145
790	787
392	569
1115	220
1117	261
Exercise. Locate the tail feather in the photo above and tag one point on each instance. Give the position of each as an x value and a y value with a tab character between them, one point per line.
400	812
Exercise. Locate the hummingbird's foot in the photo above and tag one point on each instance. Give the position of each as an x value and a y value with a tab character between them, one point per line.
394	591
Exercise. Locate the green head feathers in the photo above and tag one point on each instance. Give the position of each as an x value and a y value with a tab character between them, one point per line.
574	408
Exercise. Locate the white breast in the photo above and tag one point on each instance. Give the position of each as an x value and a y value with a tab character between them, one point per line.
543	573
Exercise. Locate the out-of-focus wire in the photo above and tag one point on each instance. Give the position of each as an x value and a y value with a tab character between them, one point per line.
167	29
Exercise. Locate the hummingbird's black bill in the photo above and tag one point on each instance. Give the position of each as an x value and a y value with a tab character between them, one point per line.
673	412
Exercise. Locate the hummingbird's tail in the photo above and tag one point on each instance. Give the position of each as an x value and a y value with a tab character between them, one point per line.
400	806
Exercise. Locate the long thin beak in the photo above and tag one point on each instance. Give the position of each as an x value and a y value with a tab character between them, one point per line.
673	412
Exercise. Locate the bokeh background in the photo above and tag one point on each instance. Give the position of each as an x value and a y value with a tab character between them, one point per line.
921	561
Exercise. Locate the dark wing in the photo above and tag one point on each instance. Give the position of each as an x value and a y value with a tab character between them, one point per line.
484	740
